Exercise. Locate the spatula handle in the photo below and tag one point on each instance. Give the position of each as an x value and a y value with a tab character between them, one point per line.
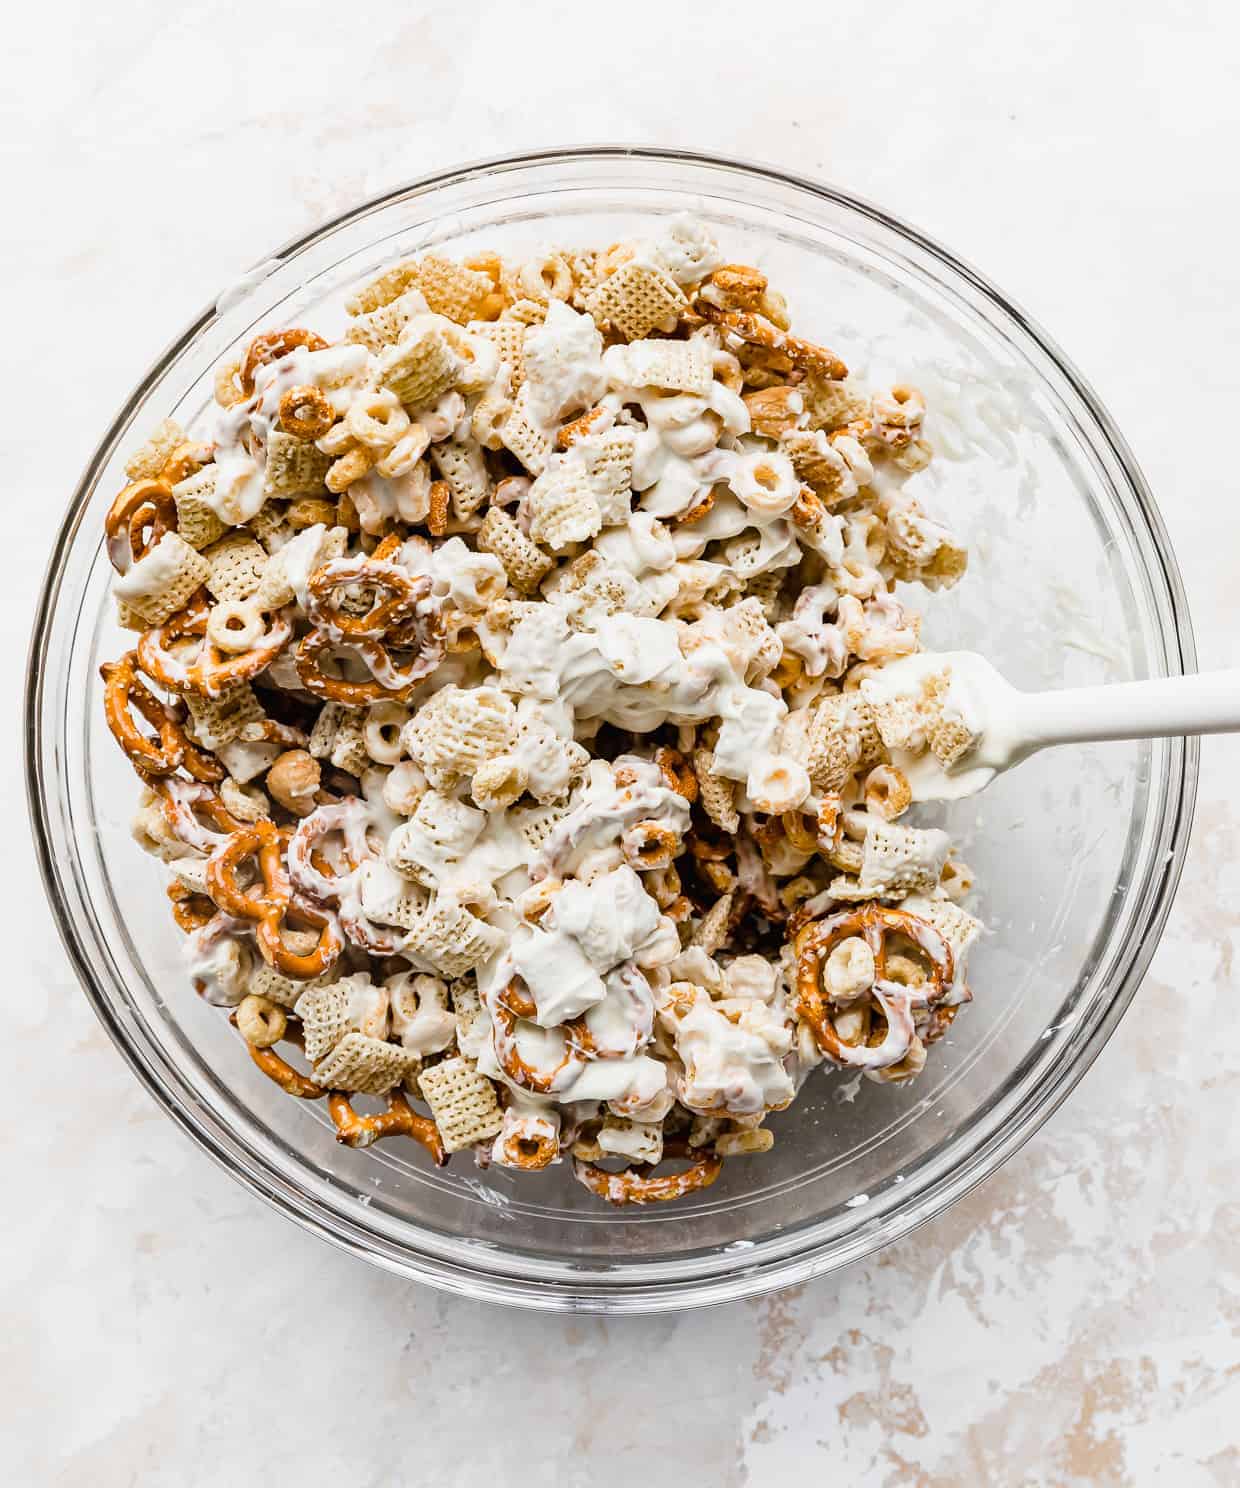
1208	703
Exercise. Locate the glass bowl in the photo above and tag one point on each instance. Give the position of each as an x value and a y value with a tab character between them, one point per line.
1077	853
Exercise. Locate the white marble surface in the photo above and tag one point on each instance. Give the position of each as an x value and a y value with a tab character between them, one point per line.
1075	1320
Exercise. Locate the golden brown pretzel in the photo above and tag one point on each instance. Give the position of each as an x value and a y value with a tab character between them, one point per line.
874	923
581	1041
123	692
209	673
758	331
291	1081
142	512
306	412
403	591
320	882
185	803
392	623
511	1005
389	679
270	347
635	1185
399	1120
269	902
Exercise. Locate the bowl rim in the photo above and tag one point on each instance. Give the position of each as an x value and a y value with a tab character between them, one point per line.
815	1258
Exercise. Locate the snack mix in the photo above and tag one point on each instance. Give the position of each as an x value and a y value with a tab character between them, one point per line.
494	693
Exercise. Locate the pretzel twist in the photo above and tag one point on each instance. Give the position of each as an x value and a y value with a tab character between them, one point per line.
399	1120
391	624
327	584
580	1036
142	513
277	1068
874	923
267	903
319	882
509	1006
756	330
634	1185
185	803
209	672
124	692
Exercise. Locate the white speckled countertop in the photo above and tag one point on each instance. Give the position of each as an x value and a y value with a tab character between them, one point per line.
1075	1320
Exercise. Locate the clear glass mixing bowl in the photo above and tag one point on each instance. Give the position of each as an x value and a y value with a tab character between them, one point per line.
1077	854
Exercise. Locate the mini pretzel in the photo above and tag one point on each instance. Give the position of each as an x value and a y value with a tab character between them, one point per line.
403	591
389	679
511	1005
141	514
308	868
306	412
635	1186
399	1120
758	331
678	773
268	902
581	1041
270	347
874	923
125	691
315	878
210	672
184	803
291	1081
649	844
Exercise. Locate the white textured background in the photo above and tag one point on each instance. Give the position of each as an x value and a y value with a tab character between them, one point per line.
1073	1322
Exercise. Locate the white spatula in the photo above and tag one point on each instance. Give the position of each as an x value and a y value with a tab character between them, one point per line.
1011	725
